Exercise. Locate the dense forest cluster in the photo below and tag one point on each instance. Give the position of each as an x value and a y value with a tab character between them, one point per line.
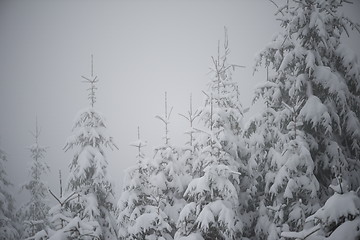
291	172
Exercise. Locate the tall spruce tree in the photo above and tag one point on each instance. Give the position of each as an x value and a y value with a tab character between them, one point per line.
33	213
313	72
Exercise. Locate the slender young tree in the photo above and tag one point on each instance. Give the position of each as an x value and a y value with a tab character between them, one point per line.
212	210
34	212
191	116
141	215
166	174
8	229
189	152
133	193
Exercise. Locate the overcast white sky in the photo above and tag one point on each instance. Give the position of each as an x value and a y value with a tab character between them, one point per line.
141	49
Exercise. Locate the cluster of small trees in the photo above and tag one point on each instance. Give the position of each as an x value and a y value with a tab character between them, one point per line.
268	179
289	173
86	209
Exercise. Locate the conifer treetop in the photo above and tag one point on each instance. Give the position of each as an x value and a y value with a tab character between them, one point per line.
165	119
139	144
191	116
37	151
89	125
37	132
92	81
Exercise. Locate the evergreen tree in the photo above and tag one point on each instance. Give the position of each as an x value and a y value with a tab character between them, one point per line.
141	214
313	71
8	229
33	214
88	170
166	175
311	63
133	193
87	210
213	196
190	150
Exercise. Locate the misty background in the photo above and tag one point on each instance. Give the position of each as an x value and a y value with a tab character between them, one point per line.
141	49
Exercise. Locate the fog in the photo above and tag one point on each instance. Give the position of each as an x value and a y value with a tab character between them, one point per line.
141	49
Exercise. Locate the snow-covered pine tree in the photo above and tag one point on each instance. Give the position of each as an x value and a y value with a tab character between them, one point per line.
33	213
167	174
309	62
140	214
8	229
190	150
88	169
87	209
133	193
212	210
